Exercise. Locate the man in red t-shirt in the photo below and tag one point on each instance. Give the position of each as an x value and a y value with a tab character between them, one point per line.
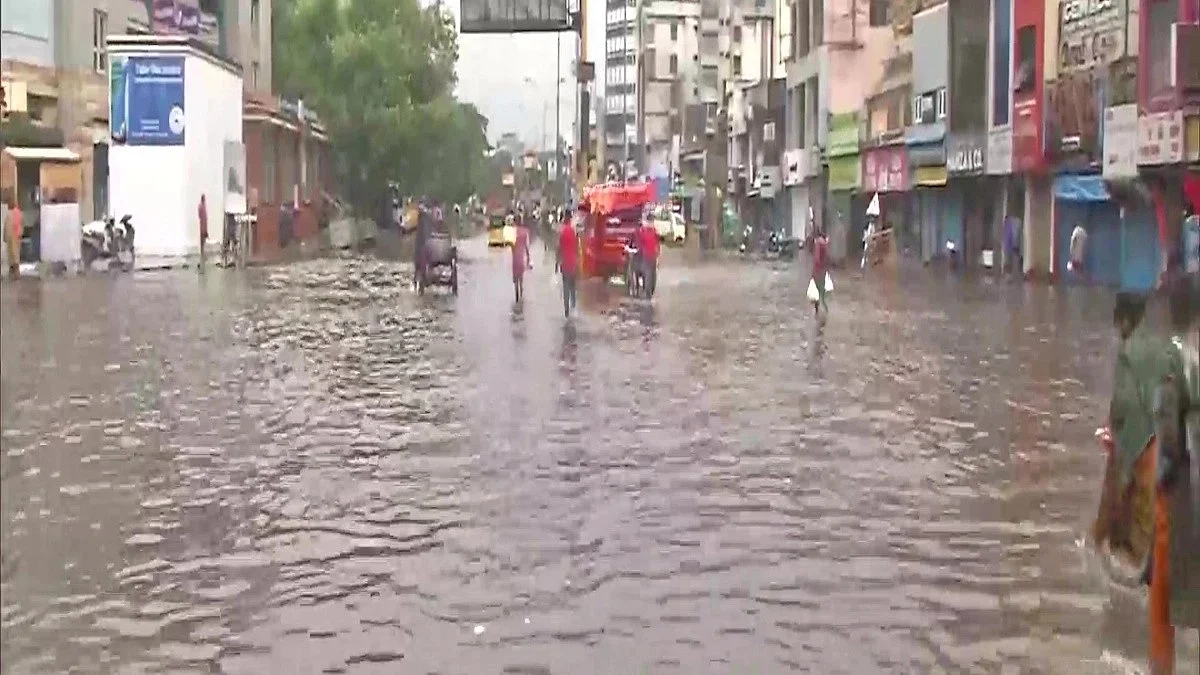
568	263
648	245
202	215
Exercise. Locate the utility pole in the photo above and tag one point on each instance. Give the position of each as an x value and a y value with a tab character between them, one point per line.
557	109
625	94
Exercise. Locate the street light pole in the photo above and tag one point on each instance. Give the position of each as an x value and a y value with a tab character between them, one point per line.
625	92
557	106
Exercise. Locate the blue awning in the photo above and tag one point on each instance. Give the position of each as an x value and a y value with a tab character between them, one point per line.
1080	188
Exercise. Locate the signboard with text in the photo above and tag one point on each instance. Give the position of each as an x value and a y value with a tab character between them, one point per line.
1120	141
146	100
1160	138
1090	33
965	154
514	16
885	169
999	158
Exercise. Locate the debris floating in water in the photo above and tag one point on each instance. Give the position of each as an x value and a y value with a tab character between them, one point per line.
479	630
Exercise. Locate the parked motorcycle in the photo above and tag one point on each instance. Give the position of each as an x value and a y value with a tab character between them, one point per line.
109	241
780	246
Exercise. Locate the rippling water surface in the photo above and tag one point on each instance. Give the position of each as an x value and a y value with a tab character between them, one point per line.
307	469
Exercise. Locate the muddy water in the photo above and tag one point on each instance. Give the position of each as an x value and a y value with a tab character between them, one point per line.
307	469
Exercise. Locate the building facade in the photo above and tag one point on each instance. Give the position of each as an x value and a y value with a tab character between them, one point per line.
54	63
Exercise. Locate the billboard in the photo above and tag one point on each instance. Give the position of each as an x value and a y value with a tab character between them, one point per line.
514	16
146	100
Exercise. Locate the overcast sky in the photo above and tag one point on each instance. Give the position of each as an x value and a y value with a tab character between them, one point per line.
510	78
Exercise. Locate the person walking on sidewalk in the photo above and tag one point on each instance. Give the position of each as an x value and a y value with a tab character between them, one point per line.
521	260
202	215
567	264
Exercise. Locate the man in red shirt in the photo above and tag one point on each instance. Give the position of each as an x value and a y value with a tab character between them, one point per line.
648	245
568	262
202	214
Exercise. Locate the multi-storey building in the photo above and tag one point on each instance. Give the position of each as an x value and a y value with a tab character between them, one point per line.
669	65
54	63
620	80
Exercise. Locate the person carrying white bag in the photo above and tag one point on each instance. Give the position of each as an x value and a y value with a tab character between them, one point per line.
820	284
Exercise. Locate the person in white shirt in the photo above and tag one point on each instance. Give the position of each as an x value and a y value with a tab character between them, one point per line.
1078	250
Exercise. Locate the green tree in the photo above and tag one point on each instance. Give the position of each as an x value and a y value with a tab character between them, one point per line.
380	73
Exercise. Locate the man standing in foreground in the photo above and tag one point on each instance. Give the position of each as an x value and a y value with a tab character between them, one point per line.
568	263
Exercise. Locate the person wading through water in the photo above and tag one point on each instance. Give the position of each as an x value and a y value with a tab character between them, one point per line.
422	237
568	262
820	271
521	260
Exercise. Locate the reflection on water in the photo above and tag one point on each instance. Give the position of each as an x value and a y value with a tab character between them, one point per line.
308	469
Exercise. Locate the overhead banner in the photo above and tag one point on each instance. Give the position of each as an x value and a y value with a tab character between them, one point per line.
514	16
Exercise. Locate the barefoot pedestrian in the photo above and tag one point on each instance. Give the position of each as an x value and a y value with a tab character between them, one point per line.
520	259
568	263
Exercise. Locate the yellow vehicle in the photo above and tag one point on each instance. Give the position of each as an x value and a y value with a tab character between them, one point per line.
501	233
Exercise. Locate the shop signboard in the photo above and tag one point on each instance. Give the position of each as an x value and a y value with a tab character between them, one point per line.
1120	141
999	158
843	134
885	169
1160	138
1090	33
965	154
146	100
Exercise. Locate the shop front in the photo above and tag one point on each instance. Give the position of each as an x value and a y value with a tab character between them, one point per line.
845	207
885	172
932	206
966	153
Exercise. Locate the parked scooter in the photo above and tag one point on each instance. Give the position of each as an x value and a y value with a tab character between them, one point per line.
780	246
109	241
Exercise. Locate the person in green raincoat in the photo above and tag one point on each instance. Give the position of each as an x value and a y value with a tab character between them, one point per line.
1177	428
1156	403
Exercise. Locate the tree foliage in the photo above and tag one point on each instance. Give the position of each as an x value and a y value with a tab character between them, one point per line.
380	73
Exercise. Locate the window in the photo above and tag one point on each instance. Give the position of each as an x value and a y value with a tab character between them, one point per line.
941	104
1024	81
880	12
674	31
818	23
737	66
801	116
1001	63
255	18
1161	15
254	70
737	34
99	44
674	65
800	27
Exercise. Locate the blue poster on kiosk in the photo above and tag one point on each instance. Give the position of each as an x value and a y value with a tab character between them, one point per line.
146	105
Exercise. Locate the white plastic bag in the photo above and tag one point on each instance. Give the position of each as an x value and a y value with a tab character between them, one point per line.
828	283
814	295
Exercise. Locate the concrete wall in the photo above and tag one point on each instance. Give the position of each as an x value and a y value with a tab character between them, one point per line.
931	49
27	31
853	72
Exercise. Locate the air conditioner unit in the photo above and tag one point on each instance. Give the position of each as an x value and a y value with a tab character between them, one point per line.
16	95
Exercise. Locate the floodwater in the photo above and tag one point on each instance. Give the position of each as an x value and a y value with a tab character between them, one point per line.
308	469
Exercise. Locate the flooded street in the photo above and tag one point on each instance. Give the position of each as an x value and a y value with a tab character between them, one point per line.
309	469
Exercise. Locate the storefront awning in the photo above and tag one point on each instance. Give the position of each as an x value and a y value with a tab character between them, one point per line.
1081	188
